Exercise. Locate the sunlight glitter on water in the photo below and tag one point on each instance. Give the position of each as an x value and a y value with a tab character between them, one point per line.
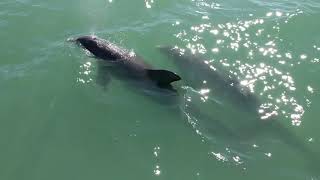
148	3
156	153
157	171
85	73
237	160
219	157
275	86
211	5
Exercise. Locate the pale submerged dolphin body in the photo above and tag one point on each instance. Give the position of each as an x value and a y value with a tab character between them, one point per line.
234	103
198	74
232	107
225	90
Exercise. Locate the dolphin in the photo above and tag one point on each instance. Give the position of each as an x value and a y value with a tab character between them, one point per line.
195	71
199	74
126	65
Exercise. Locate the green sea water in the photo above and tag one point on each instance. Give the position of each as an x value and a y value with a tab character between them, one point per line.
58	123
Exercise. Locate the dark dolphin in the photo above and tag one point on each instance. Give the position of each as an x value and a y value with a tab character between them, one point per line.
126	64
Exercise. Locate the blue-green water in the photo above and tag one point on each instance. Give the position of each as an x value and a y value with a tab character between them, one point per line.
56	122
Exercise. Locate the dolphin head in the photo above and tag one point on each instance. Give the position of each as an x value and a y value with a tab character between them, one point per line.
96	46
181	57
173	51
88	42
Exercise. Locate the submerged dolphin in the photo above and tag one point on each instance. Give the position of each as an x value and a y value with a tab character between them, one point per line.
233	107
194	71
125	64
200	75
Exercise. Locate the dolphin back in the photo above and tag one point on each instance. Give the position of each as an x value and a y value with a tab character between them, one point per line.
101	48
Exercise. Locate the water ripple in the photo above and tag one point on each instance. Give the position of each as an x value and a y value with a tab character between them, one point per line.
309	6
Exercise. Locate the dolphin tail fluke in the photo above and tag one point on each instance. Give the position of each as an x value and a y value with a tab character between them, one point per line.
162	77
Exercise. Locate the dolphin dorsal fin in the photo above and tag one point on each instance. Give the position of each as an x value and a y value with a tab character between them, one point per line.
162	77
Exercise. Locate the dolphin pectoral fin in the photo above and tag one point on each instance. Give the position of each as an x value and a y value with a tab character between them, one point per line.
103	77
162	77
103	80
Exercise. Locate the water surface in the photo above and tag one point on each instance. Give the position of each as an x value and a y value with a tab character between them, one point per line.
56	122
